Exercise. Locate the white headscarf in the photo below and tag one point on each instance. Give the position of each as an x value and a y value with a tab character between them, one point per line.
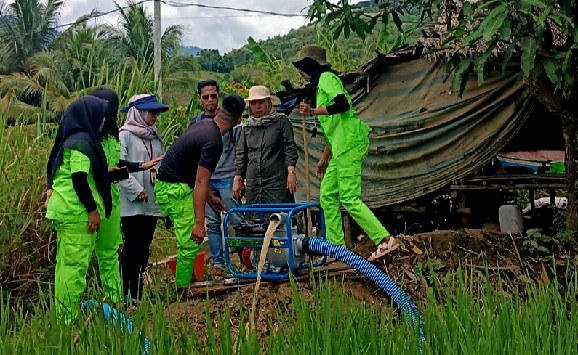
136	124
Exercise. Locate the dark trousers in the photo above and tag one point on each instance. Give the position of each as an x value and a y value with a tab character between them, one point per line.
138	232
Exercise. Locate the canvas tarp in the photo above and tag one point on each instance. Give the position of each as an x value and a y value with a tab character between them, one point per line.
423	135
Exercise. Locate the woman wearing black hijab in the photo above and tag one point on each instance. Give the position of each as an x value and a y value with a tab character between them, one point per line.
108	237
78	178
347	139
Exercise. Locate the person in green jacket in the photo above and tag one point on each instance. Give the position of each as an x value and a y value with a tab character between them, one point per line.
108	237
78	197
347	139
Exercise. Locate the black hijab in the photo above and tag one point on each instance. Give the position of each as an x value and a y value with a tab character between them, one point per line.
110	126
78	130
314	70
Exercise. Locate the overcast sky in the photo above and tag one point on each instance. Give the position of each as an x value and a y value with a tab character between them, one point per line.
208	28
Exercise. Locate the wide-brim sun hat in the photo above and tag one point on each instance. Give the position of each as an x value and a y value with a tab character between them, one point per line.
316	53
261	92
147	103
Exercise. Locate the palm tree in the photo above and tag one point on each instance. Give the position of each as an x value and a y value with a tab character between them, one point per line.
134	35
26	27
43	78
89	50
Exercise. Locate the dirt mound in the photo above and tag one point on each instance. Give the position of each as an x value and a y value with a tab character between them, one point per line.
426	259
274	304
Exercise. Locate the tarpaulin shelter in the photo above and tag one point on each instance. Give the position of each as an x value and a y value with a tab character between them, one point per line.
424	136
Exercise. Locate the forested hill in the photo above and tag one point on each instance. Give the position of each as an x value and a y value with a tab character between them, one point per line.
285	47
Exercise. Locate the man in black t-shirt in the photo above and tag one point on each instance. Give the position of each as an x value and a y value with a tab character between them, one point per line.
182	186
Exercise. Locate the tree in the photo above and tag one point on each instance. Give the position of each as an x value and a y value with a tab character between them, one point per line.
476	33
41	80
89	52
134	35
26	27
211	60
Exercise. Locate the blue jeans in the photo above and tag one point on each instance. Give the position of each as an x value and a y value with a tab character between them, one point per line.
221	188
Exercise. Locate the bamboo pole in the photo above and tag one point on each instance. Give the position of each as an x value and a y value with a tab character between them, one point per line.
307	175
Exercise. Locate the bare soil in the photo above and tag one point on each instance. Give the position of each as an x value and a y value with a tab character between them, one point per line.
422	261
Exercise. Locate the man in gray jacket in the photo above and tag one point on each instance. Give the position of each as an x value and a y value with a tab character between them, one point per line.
222	178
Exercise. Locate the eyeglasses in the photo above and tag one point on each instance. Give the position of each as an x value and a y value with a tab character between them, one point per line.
212	96
155	113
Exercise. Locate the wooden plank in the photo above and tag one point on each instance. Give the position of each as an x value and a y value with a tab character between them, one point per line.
409	209
507	187
228	285
533	177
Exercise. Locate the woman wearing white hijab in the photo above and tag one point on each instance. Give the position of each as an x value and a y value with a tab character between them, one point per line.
140	141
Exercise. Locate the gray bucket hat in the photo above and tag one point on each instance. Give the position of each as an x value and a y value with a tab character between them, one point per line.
316	53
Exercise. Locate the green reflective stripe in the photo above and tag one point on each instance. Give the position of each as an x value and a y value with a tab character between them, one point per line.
64	205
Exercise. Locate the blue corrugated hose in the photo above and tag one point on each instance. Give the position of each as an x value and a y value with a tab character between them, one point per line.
399	297
111	315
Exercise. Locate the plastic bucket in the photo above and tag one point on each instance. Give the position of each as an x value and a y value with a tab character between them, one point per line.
198	266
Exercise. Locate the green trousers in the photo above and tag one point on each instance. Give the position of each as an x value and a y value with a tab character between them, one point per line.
108	240
176	202
342	185
75	245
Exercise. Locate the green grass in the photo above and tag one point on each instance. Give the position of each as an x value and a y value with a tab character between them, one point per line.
26	253
164	243
487	321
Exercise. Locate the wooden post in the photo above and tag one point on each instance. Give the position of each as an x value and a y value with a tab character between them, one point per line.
462	205
532	205
307	177
157	47
347	231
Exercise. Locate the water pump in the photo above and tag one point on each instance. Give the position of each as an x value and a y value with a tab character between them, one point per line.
283	256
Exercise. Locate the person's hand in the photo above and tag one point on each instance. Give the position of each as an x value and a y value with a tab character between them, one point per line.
199	233
111	169
48	193
150	164
304	108
216	204
292	182
238	188
321	168
142	196
93	221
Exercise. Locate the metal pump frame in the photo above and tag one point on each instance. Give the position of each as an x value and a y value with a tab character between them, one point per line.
285	242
